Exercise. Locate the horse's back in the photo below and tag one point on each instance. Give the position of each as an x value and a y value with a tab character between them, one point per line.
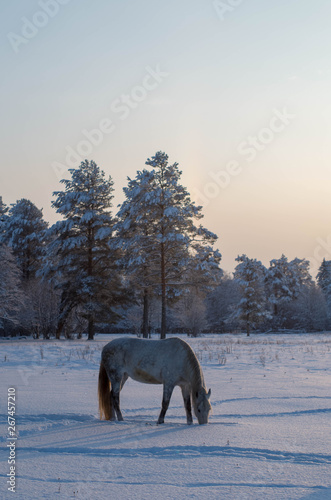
146	360
127	344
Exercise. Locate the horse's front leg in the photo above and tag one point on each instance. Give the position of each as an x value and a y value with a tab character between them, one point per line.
187	404
167	392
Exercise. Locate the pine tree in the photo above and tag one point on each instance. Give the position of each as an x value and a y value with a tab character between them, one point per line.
3	214
24	230
324	282
158	234
134	233
324	276
252	308
82	260
285	281
11	294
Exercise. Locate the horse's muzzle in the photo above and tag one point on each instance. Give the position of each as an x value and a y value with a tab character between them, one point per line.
203	421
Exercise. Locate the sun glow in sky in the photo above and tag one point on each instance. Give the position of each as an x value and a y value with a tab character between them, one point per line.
238	95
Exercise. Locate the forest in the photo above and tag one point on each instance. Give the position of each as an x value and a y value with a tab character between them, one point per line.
152	267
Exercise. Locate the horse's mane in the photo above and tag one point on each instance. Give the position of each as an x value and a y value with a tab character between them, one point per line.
197	374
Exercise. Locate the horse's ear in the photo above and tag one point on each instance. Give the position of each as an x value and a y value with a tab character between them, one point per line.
208	394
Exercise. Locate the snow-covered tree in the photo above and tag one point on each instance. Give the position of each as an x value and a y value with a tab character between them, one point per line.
308	312
134	233
324	282
24	230
221	302
285	280
82	261
324	276
39	314
3	214
11	294
157	232
252	308
191	312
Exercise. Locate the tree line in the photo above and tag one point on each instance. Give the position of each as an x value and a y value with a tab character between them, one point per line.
152	266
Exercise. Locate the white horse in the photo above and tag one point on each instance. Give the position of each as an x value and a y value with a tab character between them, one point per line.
169	362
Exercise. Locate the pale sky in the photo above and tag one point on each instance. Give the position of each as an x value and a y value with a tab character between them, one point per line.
238	95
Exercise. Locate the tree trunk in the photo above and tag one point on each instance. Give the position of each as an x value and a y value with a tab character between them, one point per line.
59	329
164	298
90	329
63	315
90	318
145	315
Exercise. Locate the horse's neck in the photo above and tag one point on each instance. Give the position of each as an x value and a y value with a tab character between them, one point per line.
197	383
196	376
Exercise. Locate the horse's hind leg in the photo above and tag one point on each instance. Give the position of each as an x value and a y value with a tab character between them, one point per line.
187	404
167	392
124	379
116	396
116	387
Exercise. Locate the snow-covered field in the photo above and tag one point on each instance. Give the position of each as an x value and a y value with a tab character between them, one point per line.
269	435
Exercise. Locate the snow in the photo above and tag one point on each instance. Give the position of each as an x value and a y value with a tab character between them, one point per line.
268	435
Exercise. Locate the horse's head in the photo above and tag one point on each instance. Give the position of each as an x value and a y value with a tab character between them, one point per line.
202	405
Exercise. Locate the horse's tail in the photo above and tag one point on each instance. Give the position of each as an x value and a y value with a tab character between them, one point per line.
105	400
